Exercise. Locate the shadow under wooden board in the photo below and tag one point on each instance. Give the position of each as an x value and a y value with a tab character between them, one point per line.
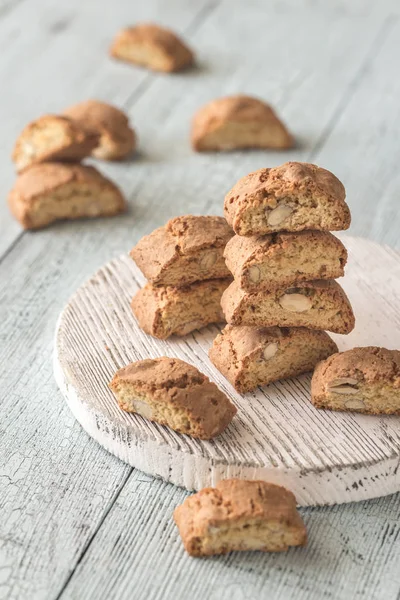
324	457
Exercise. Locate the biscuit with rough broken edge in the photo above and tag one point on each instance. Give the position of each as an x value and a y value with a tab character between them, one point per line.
185	250
173	393
293	197
152	46
277	260
255	356
238	122
313	304
240	515
365	380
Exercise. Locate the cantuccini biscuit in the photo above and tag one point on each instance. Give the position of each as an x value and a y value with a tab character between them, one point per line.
292	197
254	356
313	304
50	192
116	139
365	380
52	137
277	260
185	250
173	393
240	515
152	46
165	311
238	122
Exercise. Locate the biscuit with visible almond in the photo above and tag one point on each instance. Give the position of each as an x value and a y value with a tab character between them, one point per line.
164	311
255	356
365	380
320	304
279	260
238	122
240	515
293	197
116	139
153	47
50	192
52	138
185	250
173	393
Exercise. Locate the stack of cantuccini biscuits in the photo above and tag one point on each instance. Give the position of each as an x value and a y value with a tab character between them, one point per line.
284	261
52	183
187	275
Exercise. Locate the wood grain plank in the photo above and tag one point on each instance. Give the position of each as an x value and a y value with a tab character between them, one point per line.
138	553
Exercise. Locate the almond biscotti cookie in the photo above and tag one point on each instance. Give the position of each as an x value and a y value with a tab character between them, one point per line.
173	393
238	122
152	46
52	137
365	380
240	515
116	139
292	197
313	304
54	191
254	356
185	250
165	311
277	260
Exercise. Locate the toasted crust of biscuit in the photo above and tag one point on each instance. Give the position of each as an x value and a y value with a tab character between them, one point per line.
185	250
51	138
293	197
116	138
238	122
365	380
165	311
313	304
240	515
152	46
278	260
254	356
50	192
173	393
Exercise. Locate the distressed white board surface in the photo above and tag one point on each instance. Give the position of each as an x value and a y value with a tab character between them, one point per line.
324	457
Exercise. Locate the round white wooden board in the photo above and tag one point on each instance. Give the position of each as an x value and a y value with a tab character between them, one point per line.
324	457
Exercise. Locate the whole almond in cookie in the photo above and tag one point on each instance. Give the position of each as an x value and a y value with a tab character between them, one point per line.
238	122
240	515
293	197
365	380
52	138
173	393
116	139
151	46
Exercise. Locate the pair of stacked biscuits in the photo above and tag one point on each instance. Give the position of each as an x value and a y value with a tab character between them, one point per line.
284	260
187	275
52	183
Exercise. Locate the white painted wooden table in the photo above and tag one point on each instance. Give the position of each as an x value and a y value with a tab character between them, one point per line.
75	522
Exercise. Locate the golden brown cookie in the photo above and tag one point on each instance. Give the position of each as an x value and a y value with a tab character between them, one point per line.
52	137
365	380
152	46
292	197
254	356
173	393
279	260
165	311
116	139
238	122
312	304
240	515
50	192
185	250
